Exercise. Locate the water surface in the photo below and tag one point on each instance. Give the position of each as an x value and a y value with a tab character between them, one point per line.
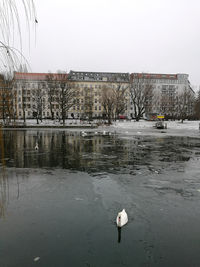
59	203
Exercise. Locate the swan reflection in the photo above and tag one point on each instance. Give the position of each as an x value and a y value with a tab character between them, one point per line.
119	229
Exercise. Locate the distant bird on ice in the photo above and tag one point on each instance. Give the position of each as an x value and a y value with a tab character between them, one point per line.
83	133
122	218
36	146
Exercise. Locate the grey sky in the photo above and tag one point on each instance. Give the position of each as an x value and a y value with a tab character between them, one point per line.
159	36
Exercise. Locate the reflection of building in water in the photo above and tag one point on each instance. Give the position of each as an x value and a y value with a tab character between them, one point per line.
66	149
4	193
71	150
3	178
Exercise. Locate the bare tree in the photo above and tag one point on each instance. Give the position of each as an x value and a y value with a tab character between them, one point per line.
120	99
66	94
51	83
10	23
23	98
39	101
185	104
3	98
197	105
88	103
108	102
6	100
167	105
141	92
10	58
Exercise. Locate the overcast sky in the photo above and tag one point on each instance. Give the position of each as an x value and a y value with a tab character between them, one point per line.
159	36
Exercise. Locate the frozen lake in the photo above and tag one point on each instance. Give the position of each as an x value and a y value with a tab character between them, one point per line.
58	204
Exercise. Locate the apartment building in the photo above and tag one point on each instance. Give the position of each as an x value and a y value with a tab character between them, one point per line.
91	85
32	93
32	89
165	92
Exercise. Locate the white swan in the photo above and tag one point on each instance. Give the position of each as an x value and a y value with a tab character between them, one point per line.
122	218
36	146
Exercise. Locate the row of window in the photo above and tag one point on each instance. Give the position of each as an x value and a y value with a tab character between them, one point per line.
47	114
29	106
55	99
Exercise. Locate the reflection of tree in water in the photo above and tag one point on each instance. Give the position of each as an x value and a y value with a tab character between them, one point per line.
91	153
3	178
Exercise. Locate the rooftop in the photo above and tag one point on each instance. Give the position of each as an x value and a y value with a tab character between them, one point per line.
98	76
38	76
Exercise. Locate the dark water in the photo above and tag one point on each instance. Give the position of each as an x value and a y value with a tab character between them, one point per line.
59	203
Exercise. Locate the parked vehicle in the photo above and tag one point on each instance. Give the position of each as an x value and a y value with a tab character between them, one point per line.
161	125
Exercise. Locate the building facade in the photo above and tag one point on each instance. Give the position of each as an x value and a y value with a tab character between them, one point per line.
41	93
166	92
32	88
91	87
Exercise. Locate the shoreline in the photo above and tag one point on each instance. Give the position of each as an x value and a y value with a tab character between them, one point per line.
123	128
